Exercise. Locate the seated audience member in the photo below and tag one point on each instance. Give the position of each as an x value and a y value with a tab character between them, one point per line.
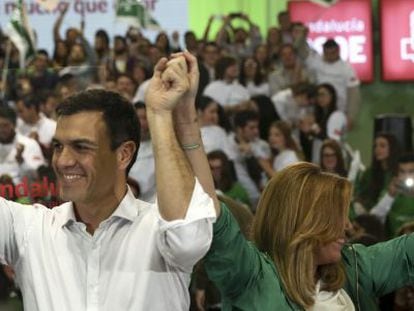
284	147
226	90
289	73
252	78
224	177
332	159
293	102
213	136
143	170
298	259
331	122
366	229
396	207
273	43
330	68
374	182
42	77
20	156
48	107
247	149
32	123
125	86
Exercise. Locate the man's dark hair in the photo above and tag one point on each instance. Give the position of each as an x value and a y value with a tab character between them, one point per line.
42	52
303	88
8	113
118	114
222	64
32	101
407	157
330	43
241	118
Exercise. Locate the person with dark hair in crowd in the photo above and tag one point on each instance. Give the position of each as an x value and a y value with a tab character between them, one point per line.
252	78
214	137
289	72
293	102
396	207
226	90
333	70
332	159
143	170
101	46
331	122
374	182
60	55
42	77
247	149
20	156
285	26
32	123
298	259
126	86
111	250
224	177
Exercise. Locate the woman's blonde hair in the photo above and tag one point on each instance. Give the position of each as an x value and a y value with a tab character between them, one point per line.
301	209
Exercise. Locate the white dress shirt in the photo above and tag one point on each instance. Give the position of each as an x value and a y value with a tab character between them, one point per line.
214	138
283	159
134	261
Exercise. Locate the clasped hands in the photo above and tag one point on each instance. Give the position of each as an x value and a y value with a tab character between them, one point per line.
174	81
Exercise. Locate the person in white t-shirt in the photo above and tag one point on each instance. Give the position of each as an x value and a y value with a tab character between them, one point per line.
226	90
32	123
213	136
332	69
20	156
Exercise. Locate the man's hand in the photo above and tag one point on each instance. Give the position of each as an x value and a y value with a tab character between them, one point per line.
168	84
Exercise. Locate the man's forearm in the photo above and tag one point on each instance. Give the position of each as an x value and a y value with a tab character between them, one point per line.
174	177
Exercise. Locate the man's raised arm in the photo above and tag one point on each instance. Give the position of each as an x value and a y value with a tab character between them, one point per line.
174	176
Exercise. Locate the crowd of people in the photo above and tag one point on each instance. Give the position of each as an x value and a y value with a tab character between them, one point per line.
262	105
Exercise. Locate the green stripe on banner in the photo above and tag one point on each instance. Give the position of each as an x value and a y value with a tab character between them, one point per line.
261	12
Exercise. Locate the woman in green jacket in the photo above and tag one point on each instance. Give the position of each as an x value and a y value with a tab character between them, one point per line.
299	259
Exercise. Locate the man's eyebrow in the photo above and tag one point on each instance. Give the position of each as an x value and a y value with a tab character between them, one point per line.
77	142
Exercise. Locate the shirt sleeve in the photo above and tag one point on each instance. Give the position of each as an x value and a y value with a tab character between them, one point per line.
335	129
232	262
14	221
185	241
382	208
385	267
352	79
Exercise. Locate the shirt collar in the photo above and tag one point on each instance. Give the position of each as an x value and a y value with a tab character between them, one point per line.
127	209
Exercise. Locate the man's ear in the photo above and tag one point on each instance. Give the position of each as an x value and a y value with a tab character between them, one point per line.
124	154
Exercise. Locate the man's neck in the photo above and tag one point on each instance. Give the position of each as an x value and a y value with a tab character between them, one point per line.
92	214
35	120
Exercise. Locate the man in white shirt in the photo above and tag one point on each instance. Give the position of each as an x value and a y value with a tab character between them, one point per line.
32	123
104	250
332	69
143	170
20	156
246	150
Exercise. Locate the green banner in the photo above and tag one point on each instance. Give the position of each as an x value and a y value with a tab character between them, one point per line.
261	12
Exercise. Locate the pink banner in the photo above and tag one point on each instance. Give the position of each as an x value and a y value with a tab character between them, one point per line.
397	39
349	22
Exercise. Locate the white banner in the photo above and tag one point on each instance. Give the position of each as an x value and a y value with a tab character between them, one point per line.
171	15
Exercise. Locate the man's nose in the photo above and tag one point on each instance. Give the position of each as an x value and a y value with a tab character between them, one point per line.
65	158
